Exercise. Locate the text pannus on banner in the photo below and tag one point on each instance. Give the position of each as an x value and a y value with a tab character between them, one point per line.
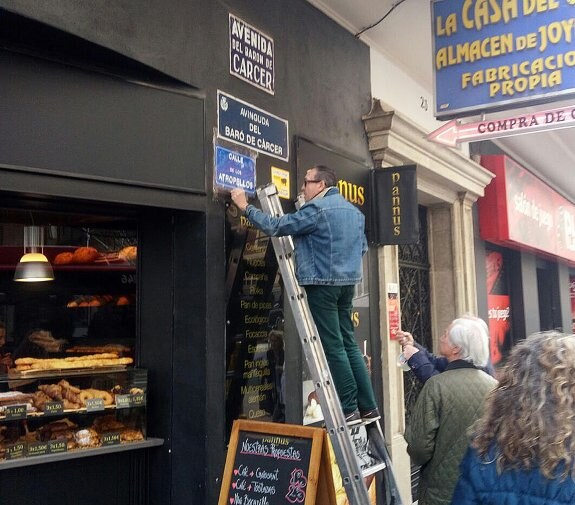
353	193
396	203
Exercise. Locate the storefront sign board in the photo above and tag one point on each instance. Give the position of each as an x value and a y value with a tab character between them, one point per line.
519	209
455	132
496	55
252	127
395	214
251	55
235	170
277	464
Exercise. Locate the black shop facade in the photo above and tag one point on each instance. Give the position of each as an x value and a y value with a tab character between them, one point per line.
114	149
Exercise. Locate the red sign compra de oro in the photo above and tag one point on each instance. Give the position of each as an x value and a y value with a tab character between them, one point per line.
520	210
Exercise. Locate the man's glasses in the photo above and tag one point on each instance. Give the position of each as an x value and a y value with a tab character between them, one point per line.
306	182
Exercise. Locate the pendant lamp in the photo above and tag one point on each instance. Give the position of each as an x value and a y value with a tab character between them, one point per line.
33	266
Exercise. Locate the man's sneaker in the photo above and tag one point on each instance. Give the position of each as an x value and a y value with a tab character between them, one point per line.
353	418
370	416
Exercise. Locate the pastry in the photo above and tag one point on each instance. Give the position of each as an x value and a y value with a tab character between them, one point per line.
85	395
104	395
87	438
131	435
85	255
64	258
88	361
128	253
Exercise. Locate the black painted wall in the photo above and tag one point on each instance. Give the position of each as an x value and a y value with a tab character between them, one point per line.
322	72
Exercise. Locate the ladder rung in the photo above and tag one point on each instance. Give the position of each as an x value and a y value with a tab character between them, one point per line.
373	469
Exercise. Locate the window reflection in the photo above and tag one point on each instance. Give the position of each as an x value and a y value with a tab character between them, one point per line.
90	305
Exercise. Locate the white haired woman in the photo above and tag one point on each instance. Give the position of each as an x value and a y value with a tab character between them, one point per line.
448	404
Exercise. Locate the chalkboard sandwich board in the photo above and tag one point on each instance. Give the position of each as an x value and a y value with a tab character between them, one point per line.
277	464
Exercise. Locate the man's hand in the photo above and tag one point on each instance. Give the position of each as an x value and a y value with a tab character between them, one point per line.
239	198
404	338
409	350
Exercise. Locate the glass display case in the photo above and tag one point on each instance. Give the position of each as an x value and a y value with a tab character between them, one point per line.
68	386
52	413
86	305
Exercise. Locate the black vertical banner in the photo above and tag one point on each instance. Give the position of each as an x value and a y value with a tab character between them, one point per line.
394	205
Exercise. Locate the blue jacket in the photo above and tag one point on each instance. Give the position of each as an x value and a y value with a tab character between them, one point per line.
425	364
328	236
479	484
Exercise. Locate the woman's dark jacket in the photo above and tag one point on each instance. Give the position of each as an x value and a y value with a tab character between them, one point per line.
479	483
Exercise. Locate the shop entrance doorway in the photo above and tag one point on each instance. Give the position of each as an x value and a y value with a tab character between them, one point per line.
548	292
415	311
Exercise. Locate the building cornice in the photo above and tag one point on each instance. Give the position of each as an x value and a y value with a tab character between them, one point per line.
442	172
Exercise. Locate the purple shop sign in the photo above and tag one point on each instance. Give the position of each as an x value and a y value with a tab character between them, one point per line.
235	170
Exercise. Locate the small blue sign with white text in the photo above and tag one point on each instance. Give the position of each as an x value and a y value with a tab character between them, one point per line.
234	170
245	124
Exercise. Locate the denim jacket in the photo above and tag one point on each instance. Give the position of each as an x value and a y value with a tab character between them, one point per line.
328	236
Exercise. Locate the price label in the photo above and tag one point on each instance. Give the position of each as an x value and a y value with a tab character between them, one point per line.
53	408
139	399
123	401
57	446
128	279
15	451
37	449
112	438
95	404
15	412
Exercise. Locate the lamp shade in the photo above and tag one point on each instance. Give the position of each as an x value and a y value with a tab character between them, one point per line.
33	267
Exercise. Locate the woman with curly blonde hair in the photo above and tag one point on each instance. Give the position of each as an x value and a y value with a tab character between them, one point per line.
523	447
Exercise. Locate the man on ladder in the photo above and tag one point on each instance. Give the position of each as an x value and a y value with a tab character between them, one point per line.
329	241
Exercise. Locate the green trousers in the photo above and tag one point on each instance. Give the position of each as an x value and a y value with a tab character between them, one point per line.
331	310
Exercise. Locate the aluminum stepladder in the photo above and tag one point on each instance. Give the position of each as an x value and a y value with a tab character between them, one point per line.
339	433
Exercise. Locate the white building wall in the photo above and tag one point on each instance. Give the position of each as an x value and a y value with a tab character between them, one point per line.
401	92
448	184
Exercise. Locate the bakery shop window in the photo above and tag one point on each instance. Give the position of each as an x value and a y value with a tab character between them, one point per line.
89	306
